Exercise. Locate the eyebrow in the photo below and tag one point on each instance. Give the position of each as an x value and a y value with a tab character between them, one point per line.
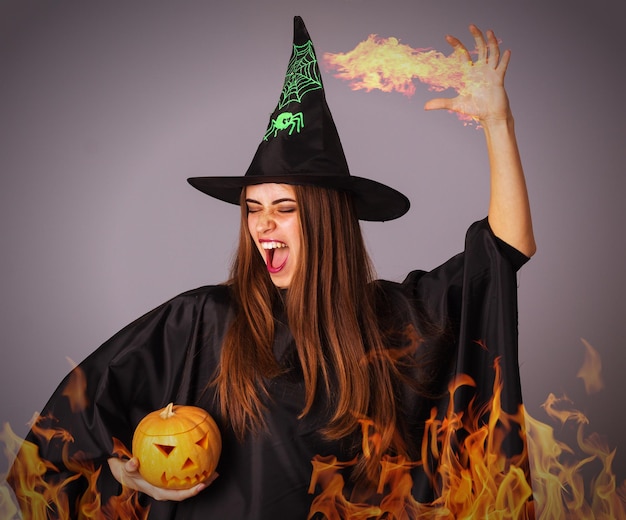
277	201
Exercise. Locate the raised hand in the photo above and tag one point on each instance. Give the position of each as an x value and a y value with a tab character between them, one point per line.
482	96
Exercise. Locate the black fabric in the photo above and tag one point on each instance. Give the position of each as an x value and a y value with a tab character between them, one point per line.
171	353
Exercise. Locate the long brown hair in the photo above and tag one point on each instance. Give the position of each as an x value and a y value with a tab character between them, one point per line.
330	307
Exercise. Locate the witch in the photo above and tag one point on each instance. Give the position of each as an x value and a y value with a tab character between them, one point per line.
302	346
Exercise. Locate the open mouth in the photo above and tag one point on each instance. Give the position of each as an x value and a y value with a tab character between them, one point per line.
276	255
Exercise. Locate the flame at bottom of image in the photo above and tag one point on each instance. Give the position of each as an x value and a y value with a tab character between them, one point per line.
473	478
470	473
41	498
476	479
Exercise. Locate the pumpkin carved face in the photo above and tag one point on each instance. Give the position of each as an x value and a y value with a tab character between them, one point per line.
177	446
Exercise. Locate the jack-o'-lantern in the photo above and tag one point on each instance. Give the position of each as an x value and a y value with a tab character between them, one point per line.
177	446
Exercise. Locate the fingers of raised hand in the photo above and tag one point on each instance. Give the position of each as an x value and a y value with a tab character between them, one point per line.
494	49
457	46
487	49
481	45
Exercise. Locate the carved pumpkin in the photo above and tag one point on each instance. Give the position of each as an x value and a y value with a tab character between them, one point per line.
177	446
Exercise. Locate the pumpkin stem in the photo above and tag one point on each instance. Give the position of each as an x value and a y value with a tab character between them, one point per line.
167	412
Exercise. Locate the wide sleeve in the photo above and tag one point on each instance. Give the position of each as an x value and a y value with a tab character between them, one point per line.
168	355
473	297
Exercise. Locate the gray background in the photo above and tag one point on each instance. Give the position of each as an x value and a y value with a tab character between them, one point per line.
107	107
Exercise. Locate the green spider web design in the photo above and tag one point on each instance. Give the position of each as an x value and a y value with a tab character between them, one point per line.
302	75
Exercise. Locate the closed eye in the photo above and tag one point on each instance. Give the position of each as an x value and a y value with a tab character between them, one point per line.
253	207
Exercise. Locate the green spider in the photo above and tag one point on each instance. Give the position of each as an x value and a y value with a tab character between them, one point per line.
285	121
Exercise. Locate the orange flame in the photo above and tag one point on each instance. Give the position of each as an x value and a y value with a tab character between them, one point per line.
472	476
553	407
559	487
386	64
475	479
591	370
76	388
41	497
331	503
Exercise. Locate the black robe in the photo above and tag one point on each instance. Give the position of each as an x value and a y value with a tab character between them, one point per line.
171	353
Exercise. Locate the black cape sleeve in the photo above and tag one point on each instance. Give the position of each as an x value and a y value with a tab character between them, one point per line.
474	296
167	355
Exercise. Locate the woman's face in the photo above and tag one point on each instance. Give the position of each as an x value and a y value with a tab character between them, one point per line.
274	225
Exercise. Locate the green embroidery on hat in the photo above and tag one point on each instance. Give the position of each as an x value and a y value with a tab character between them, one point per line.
302	75
283	121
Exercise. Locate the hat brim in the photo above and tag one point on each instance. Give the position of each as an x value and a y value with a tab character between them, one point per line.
373	200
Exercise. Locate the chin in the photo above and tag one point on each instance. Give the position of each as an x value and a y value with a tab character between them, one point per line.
281	282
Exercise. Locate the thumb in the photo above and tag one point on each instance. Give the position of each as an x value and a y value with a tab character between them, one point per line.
438	104
132	465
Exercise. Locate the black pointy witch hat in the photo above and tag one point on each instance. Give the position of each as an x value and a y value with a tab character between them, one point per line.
301	145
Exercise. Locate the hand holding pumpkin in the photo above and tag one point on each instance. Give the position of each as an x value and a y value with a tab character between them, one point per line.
126	473
176	450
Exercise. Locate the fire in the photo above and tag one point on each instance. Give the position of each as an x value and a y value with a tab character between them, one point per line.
332	504
41	497
386	64
559	487
469	472
475	479
591	370
76	388
471	480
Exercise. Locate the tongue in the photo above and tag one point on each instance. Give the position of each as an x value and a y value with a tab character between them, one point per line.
276	259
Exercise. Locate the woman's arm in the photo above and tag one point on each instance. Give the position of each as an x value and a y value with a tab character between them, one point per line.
485	99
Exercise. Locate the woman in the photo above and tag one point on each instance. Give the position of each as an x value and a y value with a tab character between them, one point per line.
302	347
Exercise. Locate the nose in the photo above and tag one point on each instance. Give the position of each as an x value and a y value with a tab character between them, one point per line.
265	222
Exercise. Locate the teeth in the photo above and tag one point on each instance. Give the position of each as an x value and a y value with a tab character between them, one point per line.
273	245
